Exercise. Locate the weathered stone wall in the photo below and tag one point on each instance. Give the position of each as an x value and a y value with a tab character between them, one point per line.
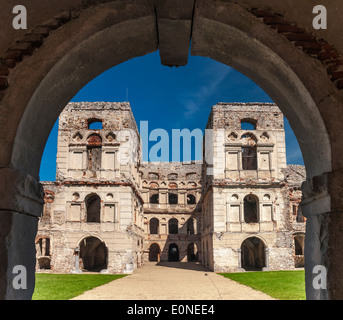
223	208
115	182
209	209
183	180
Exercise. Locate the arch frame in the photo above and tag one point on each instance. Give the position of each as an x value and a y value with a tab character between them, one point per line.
219	32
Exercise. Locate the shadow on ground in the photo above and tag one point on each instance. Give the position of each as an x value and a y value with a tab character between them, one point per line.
196	266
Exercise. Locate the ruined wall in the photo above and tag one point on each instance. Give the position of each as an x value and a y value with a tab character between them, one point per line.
184	181
96	193
138	200
230	184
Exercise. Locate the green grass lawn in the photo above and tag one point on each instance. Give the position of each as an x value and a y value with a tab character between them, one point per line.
282	285
67	286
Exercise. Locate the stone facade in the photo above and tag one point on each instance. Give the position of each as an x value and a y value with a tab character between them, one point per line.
109	211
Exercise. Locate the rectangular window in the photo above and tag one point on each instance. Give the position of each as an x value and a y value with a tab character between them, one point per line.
94	158
249	158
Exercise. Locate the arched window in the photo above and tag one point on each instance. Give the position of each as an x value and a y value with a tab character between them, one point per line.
190	199
172	198
248	124
173	226
93	205
154	226
154	198
94	124
250	209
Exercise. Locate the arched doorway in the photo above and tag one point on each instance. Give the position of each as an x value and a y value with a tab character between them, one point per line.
173	252
253	254
222	31
93	254
154	252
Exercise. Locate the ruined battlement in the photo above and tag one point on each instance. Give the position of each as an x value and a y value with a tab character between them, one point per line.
112	116
262	116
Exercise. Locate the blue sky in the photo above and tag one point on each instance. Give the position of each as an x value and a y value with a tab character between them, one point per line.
169	98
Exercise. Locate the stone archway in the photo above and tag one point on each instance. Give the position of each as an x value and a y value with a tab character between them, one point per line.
154	252
253	254
229	33
173	252
93	254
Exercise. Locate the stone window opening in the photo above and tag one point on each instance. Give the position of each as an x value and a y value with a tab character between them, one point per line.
43	250
249	158
172	198
154	199
93	205
154	226
299	245
190	226
94	124
251	209
173	226
94	158
44	247
191	199
248	124
94	152
295	209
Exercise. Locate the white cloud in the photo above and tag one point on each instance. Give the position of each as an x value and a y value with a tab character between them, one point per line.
214	76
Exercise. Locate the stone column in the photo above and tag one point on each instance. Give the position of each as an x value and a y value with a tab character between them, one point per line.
21	203
77	262
315	206
266	268
239	254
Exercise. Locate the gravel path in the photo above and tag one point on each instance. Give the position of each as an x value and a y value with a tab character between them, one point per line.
173	281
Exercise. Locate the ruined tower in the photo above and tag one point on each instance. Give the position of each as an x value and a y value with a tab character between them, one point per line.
97	206
245	208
